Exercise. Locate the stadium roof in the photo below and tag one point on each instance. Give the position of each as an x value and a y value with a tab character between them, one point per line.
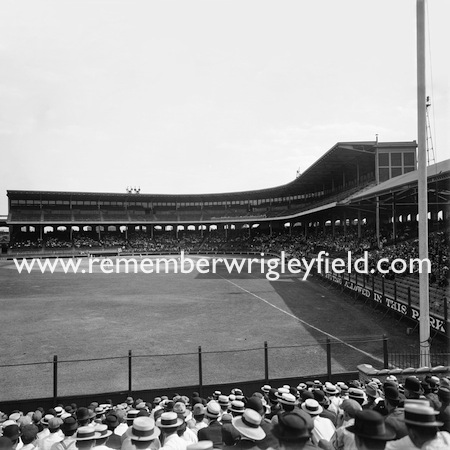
342	161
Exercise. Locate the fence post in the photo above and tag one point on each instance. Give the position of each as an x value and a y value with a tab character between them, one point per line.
55	379
447	331
200	371
266	362
130	384
328	358
385	352
383	301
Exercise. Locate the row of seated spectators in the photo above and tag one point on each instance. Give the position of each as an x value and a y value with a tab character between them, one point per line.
353	415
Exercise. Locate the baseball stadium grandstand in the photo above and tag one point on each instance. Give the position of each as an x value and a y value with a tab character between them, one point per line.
358	197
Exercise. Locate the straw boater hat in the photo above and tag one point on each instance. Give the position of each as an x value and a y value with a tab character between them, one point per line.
237	406
223	400
144	429
370	424
266	388
312	407
169	420
421	414
287	399
248	425
103	430
182	412
87	434
212	410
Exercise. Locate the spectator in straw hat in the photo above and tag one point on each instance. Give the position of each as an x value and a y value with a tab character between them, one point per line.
168	423
370	431
100	442
197	422
249	427
332	393
423	429
258	405
112	422
183	431
275	408
143	435
85	438
395	417
44	423
55	436
293	430
69	427
323	427
213	432
29	435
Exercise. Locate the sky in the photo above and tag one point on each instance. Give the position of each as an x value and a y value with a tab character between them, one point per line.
206	96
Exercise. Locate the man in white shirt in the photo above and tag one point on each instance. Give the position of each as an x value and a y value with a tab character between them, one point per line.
169	423
55	434
323	427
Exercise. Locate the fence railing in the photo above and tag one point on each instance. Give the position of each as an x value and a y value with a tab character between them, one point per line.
133	371
405	360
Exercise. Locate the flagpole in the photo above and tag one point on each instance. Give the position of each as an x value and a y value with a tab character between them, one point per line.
424	324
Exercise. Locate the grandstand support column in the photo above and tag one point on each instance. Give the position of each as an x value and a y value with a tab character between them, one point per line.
377	220
151	231
126	232
424	320
394	220
40	232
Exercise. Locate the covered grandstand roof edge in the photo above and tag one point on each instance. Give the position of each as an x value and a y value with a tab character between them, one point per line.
309	177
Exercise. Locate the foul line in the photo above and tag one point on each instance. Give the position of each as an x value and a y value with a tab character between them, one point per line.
304	322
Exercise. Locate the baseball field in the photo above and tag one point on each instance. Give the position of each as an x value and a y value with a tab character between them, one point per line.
163	318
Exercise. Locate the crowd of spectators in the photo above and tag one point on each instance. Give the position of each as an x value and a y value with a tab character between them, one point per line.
293	244
341	416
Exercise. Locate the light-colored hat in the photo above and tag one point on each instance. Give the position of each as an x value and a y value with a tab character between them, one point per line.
132	414
223	400
144	429
237	406
287	399
103	430
15	416
59	411
46	418
421	414
331	389
212	410
87	434
169	420
312	407
249	425
266	388
182	412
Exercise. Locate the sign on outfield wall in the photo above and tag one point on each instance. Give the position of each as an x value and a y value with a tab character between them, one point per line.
412	312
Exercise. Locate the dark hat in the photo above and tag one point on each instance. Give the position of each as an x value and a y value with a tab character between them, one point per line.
112	420
413	385
29	433
198	410
421	414
391	392
255	403
272	396
292	426
69	424
84	414
370	424
12	432
318	395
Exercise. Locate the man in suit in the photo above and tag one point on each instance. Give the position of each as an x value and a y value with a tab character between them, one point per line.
213	432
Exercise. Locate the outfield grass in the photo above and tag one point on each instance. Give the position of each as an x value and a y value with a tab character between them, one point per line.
105	315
